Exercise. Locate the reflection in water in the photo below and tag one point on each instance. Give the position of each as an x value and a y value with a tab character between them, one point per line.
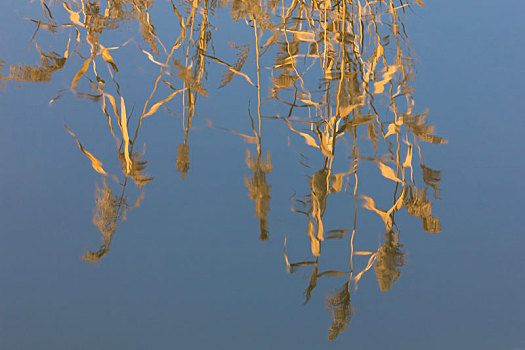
418	205
341	309
259	189
341	62
109	209
388	258
183	159
342	73
49	63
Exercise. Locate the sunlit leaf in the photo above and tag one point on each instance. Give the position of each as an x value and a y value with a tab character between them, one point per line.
95	163
286	256
151	58
371	205
399	202
66	53
387	172
81	72
310	141
309	102
125	136
107	57
369	265
157	105
364	252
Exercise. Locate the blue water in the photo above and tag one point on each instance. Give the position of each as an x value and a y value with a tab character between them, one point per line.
187	269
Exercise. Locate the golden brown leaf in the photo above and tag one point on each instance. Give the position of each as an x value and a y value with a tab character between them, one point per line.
387	172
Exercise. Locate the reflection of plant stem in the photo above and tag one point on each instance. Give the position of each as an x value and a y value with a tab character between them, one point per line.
339	89
258	86
175	46
355	207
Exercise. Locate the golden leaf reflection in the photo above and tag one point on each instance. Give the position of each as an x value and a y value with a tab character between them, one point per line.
337	75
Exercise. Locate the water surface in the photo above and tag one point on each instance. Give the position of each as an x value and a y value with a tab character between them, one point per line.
260	175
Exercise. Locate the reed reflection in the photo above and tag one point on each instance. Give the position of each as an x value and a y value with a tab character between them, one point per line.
49	63
336	61
259	189
341	77
88	23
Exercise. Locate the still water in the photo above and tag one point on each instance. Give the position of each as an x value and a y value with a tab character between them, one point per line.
261	175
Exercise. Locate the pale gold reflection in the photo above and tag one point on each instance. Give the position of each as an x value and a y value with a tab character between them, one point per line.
109	210
339	305
259	189
87	23
192	86
49	63
389	258
333	63
342	72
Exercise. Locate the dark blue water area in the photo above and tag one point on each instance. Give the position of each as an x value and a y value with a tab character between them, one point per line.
186	268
